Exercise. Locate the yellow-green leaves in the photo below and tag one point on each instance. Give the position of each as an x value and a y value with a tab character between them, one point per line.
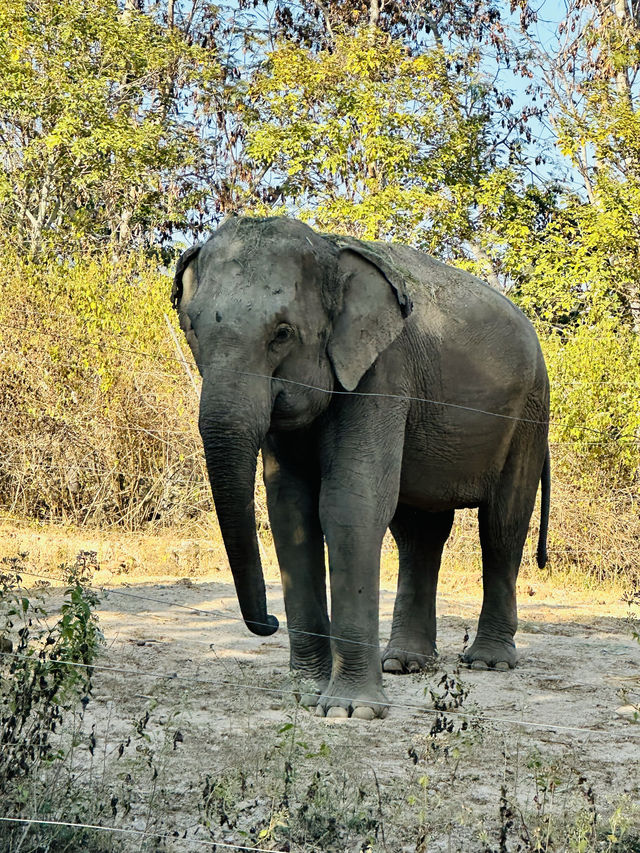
367	139
91	150
595	402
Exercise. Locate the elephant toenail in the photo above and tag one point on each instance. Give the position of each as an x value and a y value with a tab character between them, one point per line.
363	713
502	666
479	664
338	712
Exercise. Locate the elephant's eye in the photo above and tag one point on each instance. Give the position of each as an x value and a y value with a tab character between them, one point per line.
283	333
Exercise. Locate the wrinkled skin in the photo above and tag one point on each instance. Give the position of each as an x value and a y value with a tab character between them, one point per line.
270	307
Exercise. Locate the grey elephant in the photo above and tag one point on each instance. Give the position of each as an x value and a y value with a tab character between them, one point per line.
385	390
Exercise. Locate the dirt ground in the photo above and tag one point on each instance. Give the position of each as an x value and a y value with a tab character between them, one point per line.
198	736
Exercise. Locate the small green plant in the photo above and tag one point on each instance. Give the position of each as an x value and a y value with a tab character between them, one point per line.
293	797
565	815
46	674
450	735
449	726
423	800
631	697
631	599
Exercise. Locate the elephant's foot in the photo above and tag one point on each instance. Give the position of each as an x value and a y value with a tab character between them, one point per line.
402	656
310	657
491	653
310	678
307	690
341	699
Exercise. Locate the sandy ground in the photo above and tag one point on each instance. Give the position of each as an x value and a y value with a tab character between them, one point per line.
539	755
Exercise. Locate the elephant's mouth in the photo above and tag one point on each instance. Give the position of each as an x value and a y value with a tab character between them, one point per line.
294	407
289	412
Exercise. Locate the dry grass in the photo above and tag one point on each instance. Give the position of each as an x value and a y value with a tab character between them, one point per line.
98	424
593	546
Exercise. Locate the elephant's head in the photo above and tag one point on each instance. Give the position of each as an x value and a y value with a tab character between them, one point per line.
276	316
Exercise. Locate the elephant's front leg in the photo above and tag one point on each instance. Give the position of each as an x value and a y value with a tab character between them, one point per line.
358	498
292	482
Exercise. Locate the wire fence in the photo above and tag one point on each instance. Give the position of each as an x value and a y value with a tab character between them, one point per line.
182	357
290	693
140	833
422	708
219	614
172	367
182	360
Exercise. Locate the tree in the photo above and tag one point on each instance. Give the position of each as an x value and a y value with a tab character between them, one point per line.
93	148
586	262
373	139
418	24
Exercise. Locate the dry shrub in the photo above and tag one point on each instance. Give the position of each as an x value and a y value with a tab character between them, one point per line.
98	421
592	534
595	530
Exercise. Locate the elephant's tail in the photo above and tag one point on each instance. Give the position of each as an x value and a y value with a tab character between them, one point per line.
545	502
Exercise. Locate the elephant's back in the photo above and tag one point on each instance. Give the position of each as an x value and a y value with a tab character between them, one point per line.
458	306
429	279
478	375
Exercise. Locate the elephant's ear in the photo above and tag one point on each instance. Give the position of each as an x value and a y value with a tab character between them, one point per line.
375	305
185	280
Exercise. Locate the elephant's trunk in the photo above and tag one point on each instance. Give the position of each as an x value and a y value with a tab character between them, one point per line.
232	431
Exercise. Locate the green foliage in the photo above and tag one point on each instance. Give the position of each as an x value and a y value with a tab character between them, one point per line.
595	403
46	673
92	148
55	766
366	139
583	261
298	807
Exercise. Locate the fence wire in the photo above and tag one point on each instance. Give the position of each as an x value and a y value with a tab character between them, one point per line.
219	614
330	391
141	833
295	694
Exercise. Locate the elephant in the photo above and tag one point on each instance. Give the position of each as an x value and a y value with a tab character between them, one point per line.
385	390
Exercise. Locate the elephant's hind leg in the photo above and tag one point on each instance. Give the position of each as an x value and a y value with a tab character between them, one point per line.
420	537
503	523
